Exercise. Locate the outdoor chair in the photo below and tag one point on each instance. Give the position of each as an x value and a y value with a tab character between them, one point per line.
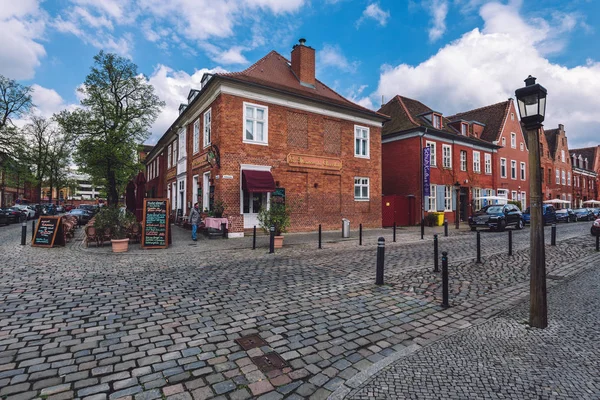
135	233
104	236
91	235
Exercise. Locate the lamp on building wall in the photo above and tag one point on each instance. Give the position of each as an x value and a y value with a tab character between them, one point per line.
457	215
532	107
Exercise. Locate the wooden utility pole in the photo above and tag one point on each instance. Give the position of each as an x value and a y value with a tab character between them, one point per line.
538	308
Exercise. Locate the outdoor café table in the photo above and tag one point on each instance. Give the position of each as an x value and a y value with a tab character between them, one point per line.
215	223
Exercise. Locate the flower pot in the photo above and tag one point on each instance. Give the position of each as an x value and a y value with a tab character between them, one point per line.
278	242
120	245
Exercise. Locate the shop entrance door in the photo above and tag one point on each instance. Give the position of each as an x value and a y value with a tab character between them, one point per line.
253	203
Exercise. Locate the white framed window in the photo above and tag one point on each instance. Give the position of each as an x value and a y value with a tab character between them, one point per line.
196	135
562	155
513	140
583	180
207	127
523	200
175	146
488	163
437	121
476	198
513	195
361	141
169	155
157	168
522	146
361	188
432	198
194	189
557	177
591	184
512	116
503	141
256	127
447	198
432	154
513	169
447	156
463	160
476	161
464	129
564	177
522	171
569	178
503	167
181	138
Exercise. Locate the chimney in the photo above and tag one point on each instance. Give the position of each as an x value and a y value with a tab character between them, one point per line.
561	127
303	63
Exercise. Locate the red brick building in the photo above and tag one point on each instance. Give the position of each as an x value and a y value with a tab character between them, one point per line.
586	169
273	130
556	164
458	155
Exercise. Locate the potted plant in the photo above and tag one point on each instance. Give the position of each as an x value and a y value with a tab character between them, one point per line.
218	209
277	216
115	223
431	219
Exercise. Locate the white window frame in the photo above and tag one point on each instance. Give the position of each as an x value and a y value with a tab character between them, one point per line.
169	156
569	178
523	171
361	182
488	163
182	139
194	189
513	195
503	168
464	129
513	140
432	199
448	198
513	169
436	121
476	201
557	177
503	142
207	128
265	122
447	156
206	191
463	160
196	136
476	161
563	177
432	152
362	138
562	155
522	146
523	200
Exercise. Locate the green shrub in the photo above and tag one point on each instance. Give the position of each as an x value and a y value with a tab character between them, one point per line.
117	220
278	216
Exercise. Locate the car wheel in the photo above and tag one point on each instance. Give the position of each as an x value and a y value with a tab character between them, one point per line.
501	226
520	224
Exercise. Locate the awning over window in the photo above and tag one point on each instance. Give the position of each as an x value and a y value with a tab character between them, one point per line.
257	181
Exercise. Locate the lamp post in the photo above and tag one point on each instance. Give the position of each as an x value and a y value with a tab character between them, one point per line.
532	108
457	216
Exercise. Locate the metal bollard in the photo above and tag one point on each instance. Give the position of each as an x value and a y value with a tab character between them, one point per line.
254	238
435	254
272	240
597	242
32	229
320	236
553	236
446	228
23	232
360	234
380	261
422	228
394	233
478	248
510	253
445	302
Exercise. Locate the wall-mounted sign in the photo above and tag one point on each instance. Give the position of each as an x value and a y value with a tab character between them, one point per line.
199	162
308	161
213	157
171	174
227	176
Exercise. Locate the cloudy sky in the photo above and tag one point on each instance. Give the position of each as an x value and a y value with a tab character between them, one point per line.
453	55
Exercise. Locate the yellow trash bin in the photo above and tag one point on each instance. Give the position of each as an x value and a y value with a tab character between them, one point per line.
439	218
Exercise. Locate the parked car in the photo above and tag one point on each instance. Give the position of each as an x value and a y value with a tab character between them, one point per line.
596	212
3	217
60	209
565	215
89	207
14	214
497	216
584	214
30	212
83	216
595	229
548	214
69	207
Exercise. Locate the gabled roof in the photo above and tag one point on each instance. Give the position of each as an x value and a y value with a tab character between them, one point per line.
552	139
586	152
408	113
275	71
492	117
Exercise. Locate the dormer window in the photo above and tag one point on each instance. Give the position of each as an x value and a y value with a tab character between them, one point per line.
464	129
437	121
585	164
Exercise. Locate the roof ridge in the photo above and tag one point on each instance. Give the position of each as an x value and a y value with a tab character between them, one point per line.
253	66
480	108
399	98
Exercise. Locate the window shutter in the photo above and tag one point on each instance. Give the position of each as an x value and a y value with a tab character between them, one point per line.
453	198
426	203
439	197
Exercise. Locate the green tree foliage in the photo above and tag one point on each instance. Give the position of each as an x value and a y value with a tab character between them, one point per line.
119	106
15	102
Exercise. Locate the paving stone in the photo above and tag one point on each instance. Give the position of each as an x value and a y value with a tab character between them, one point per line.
93	389
260	387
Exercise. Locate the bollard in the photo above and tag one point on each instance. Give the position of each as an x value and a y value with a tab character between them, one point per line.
320	236
272	240
360	234
254	238
23	232
380	261
446	228
435	254
478	248
394	233
553	236
224	229
32	229
422	228
510	253
445	302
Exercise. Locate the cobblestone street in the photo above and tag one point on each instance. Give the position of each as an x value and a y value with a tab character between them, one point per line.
80	322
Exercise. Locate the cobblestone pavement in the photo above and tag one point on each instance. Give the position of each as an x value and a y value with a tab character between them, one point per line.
505	359
80	322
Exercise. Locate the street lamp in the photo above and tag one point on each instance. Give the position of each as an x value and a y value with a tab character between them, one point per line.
532	107
457	216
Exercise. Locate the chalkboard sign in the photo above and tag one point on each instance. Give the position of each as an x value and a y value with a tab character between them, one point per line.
47	230
155	231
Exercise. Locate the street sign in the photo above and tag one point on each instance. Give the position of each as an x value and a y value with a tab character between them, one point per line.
426	171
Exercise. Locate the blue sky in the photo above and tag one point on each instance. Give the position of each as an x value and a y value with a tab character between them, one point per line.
453	55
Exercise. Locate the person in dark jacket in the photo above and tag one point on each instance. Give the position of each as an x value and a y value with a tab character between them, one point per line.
195	220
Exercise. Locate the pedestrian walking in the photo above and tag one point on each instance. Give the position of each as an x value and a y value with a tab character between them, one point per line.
195	220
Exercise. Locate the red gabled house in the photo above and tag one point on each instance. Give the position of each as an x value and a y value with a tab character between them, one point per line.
586	169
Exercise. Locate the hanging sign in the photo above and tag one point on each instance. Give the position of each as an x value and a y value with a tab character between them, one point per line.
155	224
426	171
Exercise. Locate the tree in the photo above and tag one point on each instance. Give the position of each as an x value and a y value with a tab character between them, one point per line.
15	101
119	106
40	133
59	159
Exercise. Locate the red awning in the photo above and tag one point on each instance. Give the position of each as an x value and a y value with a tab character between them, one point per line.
257	181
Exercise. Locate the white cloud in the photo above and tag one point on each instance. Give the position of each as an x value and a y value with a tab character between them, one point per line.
22	27
276	6
438	10
230	56
332	56
173	87
373	11
485	67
